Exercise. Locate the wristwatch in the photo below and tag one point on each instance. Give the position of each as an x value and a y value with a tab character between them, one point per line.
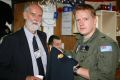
75	69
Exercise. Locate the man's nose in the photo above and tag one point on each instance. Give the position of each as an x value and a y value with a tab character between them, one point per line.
37	19
81	22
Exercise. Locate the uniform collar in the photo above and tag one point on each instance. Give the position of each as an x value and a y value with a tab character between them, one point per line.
80	37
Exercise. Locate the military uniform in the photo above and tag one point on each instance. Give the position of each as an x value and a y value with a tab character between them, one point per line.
99	54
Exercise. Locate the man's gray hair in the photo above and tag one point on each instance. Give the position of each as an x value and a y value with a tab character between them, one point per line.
28	4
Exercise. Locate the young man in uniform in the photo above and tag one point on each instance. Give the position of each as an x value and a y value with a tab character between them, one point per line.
96	53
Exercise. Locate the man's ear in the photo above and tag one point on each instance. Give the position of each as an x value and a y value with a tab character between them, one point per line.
95	19
25	15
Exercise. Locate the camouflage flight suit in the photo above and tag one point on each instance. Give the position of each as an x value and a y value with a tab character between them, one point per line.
99	54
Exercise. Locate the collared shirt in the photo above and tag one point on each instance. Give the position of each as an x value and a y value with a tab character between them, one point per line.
29	36
42	52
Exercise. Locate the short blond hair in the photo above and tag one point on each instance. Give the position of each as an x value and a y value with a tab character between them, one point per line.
85	7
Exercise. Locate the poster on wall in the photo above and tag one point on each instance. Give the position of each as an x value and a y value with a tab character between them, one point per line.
48	15
66	23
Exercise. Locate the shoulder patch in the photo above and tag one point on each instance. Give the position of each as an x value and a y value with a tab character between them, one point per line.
105	48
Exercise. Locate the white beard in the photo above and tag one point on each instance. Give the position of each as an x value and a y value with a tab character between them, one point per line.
32	26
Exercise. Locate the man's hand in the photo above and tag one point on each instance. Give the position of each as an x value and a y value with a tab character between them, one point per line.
33	78
75	68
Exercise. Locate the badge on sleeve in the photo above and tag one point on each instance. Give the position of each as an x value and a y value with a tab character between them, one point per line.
106	48
60	56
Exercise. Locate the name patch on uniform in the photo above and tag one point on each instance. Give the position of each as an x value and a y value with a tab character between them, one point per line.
105	48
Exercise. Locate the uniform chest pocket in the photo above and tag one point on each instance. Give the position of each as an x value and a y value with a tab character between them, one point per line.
81	57
87	59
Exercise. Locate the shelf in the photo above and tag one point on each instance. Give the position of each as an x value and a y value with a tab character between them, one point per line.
107	22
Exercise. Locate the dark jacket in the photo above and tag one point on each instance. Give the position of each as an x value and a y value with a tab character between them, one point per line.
60	66
15	57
